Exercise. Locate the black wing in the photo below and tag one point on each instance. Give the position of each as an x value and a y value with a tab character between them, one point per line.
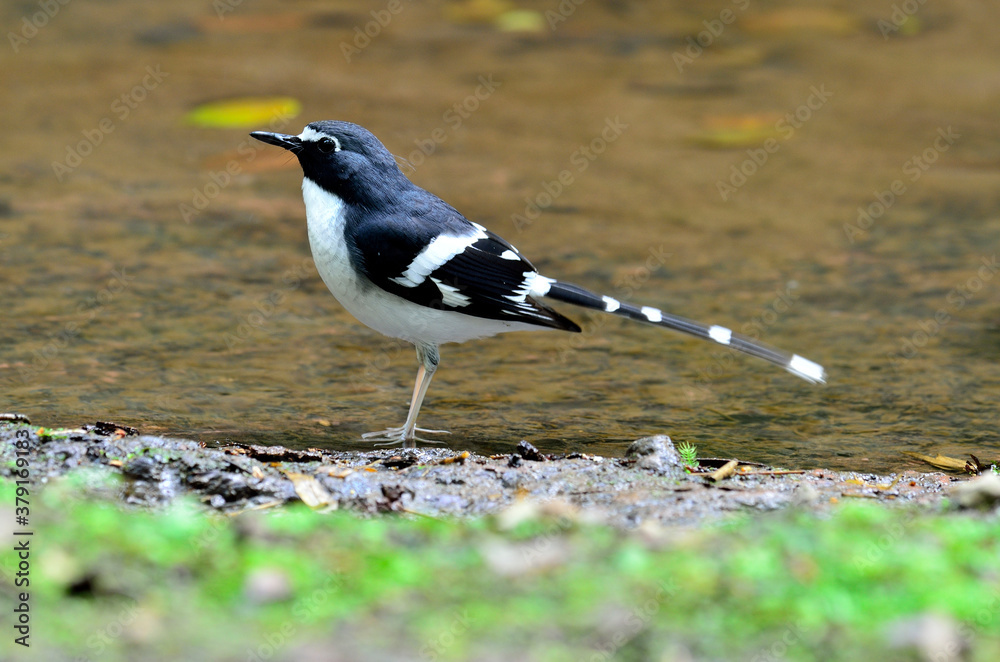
433	256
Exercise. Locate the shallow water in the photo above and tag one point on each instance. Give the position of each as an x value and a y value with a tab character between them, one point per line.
217	327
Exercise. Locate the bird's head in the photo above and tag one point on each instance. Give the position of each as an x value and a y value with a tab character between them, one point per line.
343	158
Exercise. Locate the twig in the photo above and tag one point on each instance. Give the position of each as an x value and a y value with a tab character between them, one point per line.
772	473
725	471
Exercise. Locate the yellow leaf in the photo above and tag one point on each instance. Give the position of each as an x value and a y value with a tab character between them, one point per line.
797	20
941	461
310	490
245	113
738	131
521	20
911	26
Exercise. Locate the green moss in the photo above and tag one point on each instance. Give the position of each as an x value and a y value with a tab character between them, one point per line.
112	584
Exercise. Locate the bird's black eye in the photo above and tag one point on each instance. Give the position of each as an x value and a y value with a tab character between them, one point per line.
327	145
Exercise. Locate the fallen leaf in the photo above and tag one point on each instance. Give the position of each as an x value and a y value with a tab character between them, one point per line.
521	20
243	113
802	19
890	485
460	458
310	490
911	26
730	132
940	461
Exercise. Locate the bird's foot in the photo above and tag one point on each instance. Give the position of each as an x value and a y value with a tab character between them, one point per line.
393	436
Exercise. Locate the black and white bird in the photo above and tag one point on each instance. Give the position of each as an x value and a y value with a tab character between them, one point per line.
410	266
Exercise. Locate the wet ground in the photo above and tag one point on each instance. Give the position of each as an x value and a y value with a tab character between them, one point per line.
863	236
647	486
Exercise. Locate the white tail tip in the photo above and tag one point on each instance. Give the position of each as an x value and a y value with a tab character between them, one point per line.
806	369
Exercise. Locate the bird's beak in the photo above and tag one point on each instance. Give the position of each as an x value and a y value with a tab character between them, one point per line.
291	143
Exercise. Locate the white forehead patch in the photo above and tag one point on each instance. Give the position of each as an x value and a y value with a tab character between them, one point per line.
311	135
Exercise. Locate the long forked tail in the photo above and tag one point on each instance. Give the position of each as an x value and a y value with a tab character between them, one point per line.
793	363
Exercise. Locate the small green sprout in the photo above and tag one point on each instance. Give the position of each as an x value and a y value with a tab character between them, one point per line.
688	453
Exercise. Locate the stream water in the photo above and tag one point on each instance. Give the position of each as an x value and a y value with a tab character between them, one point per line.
158	274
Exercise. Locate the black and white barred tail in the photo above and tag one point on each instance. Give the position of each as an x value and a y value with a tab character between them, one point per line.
793	363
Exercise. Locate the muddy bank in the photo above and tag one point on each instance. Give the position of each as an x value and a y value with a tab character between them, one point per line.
648	484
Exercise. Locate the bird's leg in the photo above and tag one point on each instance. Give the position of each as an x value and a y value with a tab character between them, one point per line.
407	435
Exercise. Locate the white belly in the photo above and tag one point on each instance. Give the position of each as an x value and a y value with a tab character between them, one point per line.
386	313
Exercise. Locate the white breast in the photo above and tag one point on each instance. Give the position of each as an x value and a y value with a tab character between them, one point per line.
386	313
325	217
